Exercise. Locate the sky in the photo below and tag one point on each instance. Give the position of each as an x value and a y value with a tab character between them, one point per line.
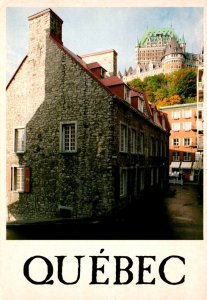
87	30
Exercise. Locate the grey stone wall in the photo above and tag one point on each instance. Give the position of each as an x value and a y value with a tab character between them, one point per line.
49	88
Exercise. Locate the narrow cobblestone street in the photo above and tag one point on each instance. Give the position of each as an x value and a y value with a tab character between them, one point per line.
185	210
177	216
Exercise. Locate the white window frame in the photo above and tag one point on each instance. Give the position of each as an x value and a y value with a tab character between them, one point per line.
140	105
127	94
187	156
187	126
123	145
176	156
62	137
176	115
187	113
185	142
176	142
141	143
123	182
176	126
14	184
133	141
19	139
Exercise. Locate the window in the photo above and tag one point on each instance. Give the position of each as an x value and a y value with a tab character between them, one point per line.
141	143
19	140
161	148
156	148
175	126
123	138
141	105
187	126
176	142
68	137
187	141
200	114
175	115
142	179
155	116
123	182
157	175
20	179
133	141
187	156
127	94
176	156
187	113
152	146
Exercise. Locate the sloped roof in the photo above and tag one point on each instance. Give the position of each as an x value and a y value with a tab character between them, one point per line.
173	47
113	80
104	82
154	33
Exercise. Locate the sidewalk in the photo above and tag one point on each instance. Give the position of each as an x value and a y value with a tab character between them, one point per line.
185	212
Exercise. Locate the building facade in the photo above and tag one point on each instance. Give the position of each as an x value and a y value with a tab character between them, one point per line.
76	139
161	51
183	141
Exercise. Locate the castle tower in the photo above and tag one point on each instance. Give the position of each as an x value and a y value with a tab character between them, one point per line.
173	58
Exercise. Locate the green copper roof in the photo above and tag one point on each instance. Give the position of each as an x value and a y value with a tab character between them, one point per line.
166	33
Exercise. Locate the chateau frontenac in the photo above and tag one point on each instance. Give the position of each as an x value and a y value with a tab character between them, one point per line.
161	51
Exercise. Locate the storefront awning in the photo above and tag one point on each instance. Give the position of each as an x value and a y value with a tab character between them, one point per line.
175	165
197	165
186	165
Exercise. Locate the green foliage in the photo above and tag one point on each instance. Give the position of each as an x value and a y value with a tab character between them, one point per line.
138	84
174	88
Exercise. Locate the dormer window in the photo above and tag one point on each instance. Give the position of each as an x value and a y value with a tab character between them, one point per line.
155	116
141	105
127	94
103	73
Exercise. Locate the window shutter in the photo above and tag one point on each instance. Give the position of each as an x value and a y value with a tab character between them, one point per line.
9	179
27	179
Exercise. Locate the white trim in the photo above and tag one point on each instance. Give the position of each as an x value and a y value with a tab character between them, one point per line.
13	178
125	140
133	140
15	130
62	141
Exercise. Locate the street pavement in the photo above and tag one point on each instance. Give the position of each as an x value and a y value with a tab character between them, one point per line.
177	216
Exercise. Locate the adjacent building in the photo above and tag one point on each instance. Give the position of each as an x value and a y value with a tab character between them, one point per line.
183	141
77	140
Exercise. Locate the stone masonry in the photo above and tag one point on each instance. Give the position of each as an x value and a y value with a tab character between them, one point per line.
52	86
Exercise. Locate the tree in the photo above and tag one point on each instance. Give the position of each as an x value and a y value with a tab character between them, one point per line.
176	99
137	83
176	88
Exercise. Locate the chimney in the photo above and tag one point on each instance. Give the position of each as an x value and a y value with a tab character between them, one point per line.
40	25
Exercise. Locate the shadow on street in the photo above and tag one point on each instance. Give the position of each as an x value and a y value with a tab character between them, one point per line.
175	216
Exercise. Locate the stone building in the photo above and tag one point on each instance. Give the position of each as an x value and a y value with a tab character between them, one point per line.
161	51
77	140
